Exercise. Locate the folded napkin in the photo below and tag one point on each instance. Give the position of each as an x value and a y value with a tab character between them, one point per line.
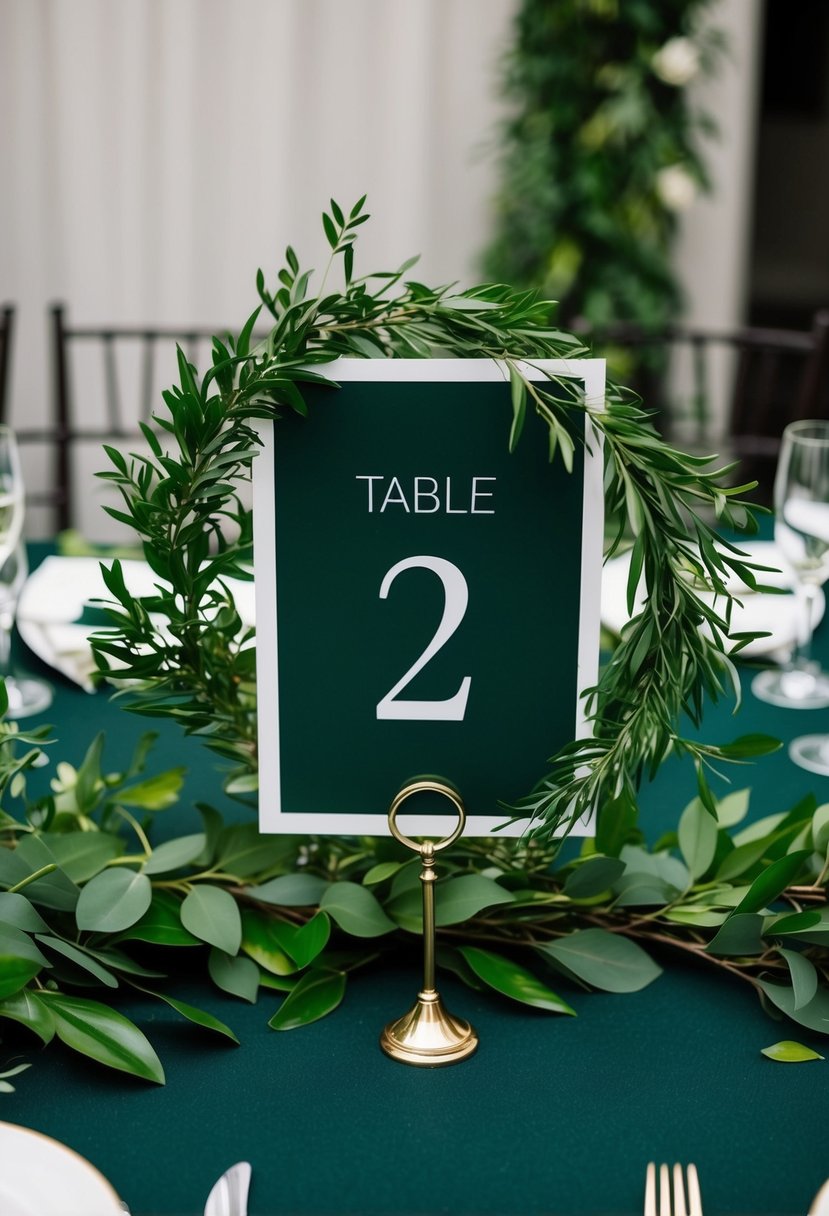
758	612
55	620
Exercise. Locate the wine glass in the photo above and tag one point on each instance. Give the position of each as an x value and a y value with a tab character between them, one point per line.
26	695
801	531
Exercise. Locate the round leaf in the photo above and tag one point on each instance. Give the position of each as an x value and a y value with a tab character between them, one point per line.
212	914
604	960
175	854
161	923
113	900
290	891
356	910
239	976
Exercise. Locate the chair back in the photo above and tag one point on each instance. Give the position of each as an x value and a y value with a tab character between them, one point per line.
106	379
766	379
6	336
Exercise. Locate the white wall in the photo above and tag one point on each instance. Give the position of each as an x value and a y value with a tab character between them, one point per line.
156	152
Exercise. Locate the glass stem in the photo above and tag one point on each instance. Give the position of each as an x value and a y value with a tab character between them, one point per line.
803	649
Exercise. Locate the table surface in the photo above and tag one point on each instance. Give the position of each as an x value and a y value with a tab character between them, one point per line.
552	1115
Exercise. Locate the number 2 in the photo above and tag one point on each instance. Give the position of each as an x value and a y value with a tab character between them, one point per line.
456	598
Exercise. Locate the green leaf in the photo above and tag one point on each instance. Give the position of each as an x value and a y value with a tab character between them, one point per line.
814	1015
14	943
212	914
750	747
508	978
54	890
456	899
237	975
290	891
733	809
318	993
113	900
310	940
15	973
243	851
161	924
804	976
81	855
356	910
175	854
80	958
104	1035
604	960
787	1051
593	877
16	910
380	872
89	785
740	935
262	942
199	1016
697	834
156	793
772	882
27	1008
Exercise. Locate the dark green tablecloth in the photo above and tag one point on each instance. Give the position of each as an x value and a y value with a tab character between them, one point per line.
553	1115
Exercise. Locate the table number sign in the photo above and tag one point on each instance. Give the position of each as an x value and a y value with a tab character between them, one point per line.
427	601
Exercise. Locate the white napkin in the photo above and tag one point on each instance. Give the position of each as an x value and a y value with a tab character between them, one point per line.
776	615
54	599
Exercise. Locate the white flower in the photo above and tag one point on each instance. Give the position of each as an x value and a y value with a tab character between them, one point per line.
676	62
676	187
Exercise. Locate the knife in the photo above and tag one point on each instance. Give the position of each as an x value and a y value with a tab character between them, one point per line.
229	1196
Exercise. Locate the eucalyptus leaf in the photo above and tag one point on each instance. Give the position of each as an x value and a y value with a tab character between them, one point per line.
81	855
16	910
804	976
14	943
212	914
814	1015
175	854
741	934
104	1035
356	910
697	834
603	960
161	923
113	900
318	993
290	891
593	877
234	974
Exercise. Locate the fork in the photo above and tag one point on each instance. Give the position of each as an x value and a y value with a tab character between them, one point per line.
672	1204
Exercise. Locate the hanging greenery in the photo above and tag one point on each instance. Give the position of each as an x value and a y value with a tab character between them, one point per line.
601	153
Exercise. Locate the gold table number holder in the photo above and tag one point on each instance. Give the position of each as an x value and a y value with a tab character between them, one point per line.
428	1035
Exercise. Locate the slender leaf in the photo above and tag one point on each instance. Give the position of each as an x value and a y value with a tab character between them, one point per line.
318	993
104	1035
511	980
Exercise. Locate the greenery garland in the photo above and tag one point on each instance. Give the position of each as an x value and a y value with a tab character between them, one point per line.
85	893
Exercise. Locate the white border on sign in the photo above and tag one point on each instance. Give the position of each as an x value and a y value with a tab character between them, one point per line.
271	816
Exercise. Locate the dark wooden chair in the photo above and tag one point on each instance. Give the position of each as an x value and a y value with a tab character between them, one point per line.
6	337
105	380
765	379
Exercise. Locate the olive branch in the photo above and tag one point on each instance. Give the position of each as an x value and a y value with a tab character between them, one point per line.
183	652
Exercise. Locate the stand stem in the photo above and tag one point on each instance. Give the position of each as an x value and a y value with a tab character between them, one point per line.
428	878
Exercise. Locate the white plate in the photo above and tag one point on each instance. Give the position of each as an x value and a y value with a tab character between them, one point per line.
776	615
40	1177
56	594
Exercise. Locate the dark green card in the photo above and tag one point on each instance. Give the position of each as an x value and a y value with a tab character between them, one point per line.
427	602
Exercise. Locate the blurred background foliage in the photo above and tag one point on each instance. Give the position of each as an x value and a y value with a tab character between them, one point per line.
604	148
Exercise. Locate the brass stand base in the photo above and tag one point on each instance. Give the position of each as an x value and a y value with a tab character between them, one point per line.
428	1036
